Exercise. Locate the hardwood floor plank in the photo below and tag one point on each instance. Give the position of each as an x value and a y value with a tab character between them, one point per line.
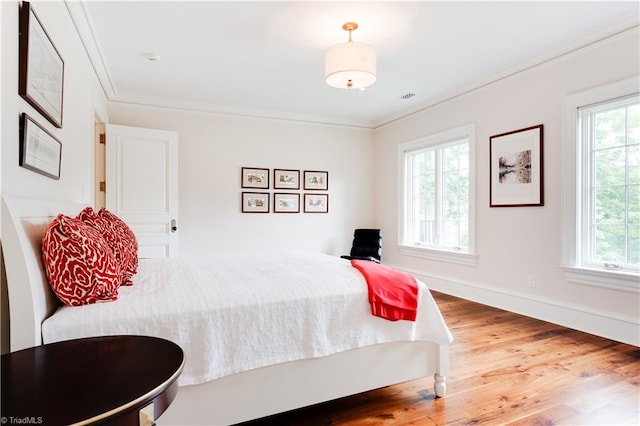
505	369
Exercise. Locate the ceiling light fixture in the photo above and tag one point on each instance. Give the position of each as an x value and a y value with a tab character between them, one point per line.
350	65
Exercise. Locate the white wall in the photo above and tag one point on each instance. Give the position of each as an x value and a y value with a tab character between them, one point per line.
81	99
515	242
214	148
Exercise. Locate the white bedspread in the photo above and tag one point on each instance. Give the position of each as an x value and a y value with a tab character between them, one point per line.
235	313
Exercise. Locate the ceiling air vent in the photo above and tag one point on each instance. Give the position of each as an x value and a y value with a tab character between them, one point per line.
407	96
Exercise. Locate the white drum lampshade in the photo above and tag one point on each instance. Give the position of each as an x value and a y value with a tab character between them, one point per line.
350	65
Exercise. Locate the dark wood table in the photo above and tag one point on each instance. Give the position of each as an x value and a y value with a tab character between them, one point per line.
123	380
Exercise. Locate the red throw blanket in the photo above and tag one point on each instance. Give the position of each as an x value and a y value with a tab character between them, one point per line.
393	294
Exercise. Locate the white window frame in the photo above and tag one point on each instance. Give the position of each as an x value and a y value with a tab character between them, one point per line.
572	199
466	256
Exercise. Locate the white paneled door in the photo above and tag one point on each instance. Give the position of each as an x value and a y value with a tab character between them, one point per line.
142	186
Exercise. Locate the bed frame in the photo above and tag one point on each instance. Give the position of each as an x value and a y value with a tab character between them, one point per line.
231	399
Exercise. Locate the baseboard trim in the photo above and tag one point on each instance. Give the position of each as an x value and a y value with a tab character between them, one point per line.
621	328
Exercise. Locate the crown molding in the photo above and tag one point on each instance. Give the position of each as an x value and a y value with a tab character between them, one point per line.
84	27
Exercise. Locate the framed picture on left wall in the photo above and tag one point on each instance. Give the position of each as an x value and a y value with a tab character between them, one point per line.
40	151
41	69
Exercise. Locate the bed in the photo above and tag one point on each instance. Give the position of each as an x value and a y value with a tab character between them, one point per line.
325	343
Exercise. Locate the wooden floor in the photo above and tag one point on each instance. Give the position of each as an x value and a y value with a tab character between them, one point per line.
505	369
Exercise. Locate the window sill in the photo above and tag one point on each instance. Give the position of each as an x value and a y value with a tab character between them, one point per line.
461	258
623	281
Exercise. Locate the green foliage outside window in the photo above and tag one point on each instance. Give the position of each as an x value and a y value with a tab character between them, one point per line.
440	195
615	188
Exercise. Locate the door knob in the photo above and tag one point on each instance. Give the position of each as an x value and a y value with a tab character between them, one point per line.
174	228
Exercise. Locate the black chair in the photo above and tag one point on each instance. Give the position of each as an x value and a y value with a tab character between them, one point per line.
367	245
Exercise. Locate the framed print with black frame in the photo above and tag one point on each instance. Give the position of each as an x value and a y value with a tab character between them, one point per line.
316	180
316	203
516	169
41	69
286	179
40	151
286	202
255	178
255	202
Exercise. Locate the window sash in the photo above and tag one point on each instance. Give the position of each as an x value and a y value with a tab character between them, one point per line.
432	226
597	219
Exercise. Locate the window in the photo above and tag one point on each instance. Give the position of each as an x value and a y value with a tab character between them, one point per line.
610	138
436	211
602	189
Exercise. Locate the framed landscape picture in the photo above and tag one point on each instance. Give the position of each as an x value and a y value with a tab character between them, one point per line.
516	169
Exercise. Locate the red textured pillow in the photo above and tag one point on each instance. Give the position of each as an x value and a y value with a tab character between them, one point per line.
119	237
80	265
128	247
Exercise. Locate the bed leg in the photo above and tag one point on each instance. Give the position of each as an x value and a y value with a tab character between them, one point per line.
442	368
440	385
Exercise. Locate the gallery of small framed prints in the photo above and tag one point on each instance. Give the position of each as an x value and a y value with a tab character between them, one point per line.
286	185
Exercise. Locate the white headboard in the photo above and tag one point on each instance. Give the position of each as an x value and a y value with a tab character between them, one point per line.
31	300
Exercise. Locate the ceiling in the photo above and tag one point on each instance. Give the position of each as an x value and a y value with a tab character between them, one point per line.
266	59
